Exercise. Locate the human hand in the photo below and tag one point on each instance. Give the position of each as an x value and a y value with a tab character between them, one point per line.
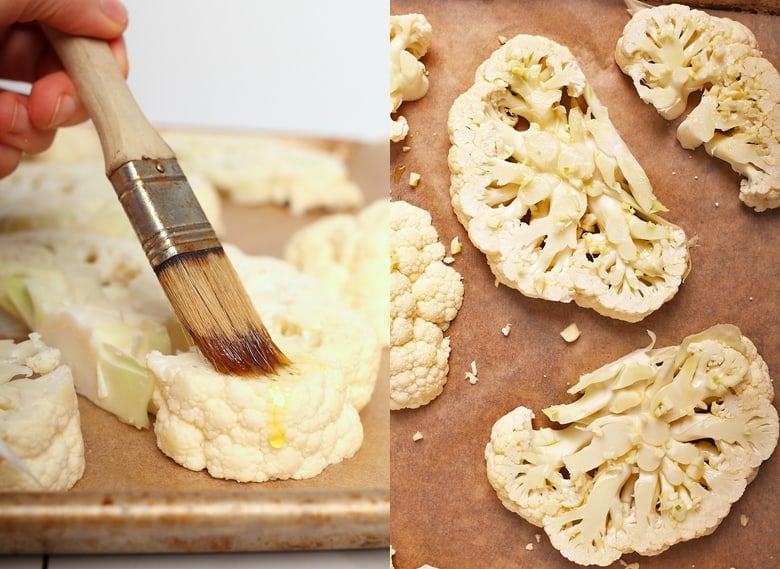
28	123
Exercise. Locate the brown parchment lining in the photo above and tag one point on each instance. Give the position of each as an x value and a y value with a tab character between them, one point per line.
132	498
444	511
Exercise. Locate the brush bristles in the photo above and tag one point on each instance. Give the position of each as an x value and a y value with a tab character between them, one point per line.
213	306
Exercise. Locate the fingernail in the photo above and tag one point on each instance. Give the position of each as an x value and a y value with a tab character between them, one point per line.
114	10
20	121
63	111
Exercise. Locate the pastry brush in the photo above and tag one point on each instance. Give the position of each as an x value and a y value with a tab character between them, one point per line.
182	247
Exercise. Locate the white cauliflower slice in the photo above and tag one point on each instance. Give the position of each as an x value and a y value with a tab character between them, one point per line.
349	255
410	37
655	450
252	429
254	170
303	318
548	190
96	299
249	169
425	296
44	194
41	447
671	51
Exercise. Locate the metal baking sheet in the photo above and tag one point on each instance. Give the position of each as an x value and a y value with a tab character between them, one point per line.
444	511
133	499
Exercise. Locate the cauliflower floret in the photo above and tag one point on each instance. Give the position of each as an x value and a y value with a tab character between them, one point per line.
251	429
548	190
425	296
252	170
41	447
410	37
348	254
671	51
96	299
656	449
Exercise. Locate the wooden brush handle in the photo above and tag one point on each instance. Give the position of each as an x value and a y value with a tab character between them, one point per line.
124	131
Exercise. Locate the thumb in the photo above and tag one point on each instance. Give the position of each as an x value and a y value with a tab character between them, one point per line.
105	19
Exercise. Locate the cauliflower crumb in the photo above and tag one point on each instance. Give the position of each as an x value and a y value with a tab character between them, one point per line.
406	148
570	333
471	375
743	520
538	537
693	241
455	246
717	204
634	565
398	172
417	436
448	260
506	329
502	40
529	546
414	179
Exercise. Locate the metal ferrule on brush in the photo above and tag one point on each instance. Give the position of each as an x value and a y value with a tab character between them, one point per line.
163	209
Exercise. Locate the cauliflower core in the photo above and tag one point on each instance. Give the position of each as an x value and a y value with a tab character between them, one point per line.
425	296
41	447
410	36
348	255
548	190
672	51
655	450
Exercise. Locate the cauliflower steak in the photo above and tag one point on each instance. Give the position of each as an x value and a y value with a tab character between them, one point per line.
655	450
549	191
672	51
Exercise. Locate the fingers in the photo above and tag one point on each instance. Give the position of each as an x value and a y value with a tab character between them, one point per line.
105	19
17	133
53	100
9	159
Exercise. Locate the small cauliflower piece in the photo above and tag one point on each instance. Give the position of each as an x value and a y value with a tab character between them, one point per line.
672	51
551	194
96	299
571	332
655	450
425	296
410	37
252	429
254	169
41	447
348	254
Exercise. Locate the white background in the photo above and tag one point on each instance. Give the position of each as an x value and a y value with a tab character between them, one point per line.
300	67
303	67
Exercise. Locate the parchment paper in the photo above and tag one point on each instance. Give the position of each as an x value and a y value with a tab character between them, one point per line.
444	511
